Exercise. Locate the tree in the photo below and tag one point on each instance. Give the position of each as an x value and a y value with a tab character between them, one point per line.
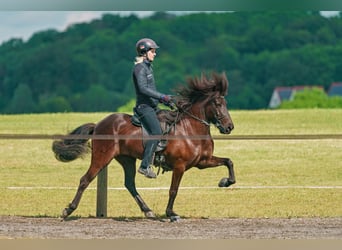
258	50
54	104
22	101
98	98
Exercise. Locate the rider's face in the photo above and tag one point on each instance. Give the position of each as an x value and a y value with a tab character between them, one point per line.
151	54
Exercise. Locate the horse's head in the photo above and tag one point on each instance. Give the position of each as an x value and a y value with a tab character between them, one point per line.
206	99
218	114
216	107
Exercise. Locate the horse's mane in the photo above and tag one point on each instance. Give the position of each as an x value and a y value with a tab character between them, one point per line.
197	89
202	88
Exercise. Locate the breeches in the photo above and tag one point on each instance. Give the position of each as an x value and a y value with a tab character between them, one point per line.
149	119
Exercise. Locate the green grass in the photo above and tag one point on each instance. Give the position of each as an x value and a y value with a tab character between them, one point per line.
267	163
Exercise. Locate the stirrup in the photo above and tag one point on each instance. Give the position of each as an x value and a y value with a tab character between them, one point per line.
161	145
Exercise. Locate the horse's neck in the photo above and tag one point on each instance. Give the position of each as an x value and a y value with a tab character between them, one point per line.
198	111
195	121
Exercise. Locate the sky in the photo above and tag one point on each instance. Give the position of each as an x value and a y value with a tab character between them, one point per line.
23	24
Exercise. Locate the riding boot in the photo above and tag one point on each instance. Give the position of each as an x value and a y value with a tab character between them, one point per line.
145	167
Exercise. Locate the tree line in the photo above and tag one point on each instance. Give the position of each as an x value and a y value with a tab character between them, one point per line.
88	66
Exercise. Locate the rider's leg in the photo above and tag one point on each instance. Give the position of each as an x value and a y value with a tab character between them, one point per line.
149	119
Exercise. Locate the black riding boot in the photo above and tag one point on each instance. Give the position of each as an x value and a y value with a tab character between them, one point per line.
145	167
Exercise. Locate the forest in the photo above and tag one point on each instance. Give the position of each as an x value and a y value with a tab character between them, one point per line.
88	66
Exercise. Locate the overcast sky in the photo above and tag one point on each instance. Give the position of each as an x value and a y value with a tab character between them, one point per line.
22	24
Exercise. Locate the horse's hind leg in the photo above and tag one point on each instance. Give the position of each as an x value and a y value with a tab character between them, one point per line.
97	164
84	183
128	164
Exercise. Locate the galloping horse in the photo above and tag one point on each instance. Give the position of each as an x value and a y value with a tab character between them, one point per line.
199	103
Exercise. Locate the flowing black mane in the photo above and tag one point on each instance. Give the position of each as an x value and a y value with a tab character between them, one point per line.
203	87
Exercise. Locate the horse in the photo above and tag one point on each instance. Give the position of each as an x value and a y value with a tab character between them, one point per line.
199	103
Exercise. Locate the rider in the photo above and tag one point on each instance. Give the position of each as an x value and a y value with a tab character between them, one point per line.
147	99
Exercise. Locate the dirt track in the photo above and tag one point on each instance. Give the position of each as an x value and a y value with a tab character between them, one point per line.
113	228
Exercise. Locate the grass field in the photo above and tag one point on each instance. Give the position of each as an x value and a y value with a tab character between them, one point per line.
275	178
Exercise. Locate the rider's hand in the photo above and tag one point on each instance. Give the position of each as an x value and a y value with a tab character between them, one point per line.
165	99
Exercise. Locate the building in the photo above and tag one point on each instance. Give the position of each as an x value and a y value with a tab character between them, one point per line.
335	89
281	94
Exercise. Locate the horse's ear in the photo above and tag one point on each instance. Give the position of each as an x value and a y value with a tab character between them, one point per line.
224	84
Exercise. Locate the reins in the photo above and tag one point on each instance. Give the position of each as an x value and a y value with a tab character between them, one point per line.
180	111
185	111
197	118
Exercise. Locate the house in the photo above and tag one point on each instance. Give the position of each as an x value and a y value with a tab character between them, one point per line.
281	94
335	89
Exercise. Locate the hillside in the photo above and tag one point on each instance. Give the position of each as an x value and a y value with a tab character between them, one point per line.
88	67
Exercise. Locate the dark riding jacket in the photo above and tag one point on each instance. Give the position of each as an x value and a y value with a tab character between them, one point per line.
145	87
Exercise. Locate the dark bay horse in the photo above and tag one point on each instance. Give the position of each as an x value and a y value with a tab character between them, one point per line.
199	103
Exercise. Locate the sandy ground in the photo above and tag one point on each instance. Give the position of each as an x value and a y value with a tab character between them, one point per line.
132	228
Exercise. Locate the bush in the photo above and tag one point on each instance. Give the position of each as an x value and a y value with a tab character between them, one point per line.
312	98
128	107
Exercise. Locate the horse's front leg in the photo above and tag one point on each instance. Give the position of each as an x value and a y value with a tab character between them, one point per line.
216	161
226	182
176	179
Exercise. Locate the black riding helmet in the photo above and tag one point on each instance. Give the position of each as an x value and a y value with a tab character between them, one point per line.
144	45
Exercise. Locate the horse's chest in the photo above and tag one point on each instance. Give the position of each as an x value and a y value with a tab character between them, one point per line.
202	151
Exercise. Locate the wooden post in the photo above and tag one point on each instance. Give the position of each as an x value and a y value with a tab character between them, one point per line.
101	199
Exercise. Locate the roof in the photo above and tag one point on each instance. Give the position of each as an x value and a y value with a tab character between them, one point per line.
335	89
284	93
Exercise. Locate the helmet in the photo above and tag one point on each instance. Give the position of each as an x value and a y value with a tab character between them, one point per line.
144	45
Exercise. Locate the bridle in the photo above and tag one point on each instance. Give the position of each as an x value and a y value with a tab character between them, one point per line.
217	118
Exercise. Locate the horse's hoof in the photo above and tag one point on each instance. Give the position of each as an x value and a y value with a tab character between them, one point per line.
175	218
225	182
65	213
150	215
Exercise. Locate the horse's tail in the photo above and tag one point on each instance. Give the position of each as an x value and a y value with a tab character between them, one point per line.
70	149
